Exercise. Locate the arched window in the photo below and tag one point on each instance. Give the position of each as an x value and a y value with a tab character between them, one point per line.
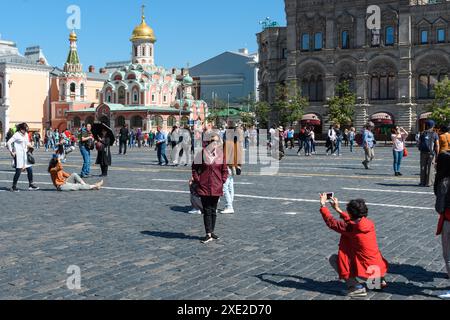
389	37
72	87
383	86
89	120
76	122
158	121
305	42
63	90
82	90
345	40
108	96
350	80
122	95
135	96
312	88
1	91
426	84
171	121
137	122
318	41
184	121
135	51
120	121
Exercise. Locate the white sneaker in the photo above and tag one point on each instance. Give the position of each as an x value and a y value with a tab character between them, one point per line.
445	296
227	211
195	212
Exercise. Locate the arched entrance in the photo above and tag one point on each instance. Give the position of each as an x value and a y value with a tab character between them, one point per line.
312	120
422	119
137	122
384	122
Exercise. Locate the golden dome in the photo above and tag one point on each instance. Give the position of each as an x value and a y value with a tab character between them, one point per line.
143	31
73	36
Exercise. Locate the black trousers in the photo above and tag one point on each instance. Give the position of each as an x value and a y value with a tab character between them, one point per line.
210	213
124	145
19	172
104	170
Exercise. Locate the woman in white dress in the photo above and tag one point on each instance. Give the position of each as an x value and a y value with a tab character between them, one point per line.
19	153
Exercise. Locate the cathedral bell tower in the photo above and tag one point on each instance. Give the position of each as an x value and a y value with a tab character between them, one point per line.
72	81
143	40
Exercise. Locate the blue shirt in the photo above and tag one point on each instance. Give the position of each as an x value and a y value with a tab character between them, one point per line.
161	137
368	139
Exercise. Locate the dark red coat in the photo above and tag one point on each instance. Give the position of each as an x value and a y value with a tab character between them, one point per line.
210	172
358	248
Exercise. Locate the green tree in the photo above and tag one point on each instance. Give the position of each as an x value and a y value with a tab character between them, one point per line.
341	108
289	103
440	107
215	109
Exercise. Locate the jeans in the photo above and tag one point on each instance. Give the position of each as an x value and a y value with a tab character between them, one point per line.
300	145
161	153
209	213
352	143
337	150
86	154
398	156
228	191
123	144
74	183
331	146
307	147
19	172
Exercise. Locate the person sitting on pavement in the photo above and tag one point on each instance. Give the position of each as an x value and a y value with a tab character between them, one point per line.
359	254
66	182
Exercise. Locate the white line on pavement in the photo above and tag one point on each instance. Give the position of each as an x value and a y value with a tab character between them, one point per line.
389	191
240	196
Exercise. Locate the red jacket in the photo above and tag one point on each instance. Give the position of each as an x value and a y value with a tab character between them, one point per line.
211	172
358	248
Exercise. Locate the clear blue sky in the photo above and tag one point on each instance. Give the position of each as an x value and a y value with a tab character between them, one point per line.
187	31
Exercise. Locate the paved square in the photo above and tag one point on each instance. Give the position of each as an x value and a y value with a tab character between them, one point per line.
135	240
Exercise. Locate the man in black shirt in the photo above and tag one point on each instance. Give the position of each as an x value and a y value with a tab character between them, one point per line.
123	137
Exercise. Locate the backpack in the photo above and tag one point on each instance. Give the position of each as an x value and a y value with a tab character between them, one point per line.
426	142
359	139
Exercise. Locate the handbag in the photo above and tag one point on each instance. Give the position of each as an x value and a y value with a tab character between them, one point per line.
405	152
30	158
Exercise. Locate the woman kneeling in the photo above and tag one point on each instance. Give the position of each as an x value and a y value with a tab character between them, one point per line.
66	182
359	260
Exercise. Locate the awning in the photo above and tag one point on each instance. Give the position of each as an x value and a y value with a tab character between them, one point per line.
425	116
311	119
382	118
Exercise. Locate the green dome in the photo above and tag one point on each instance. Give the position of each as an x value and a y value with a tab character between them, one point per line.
188	80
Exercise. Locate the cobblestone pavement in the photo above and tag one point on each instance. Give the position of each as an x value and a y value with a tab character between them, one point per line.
135	239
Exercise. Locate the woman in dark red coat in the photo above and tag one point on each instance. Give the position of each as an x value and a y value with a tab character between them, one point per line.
359	259
209	173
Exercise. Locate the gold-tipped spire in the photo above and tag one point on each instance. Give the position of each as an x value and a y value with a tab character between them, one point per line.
143	31
73	36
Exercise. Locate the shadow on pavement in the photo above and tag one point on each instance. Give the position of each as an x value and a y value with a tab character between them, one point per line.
169	235
400	185
415	273
184	209
300	283
337	288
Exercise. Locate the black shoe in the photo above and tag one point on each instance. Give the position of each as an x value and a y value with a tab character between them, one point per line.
207	239
14	189
365	165
33	187
400	174
396	174
215	237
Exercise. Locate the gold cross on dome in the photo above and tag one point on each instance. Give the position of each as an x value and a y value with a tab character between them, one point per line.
143	11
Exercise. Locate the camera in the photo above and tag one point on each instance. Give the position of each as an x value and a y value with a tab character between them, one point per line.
330	195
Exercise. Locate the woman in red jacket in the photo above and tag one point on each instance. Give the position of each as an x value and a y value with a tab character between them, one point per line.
359	259
209	173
